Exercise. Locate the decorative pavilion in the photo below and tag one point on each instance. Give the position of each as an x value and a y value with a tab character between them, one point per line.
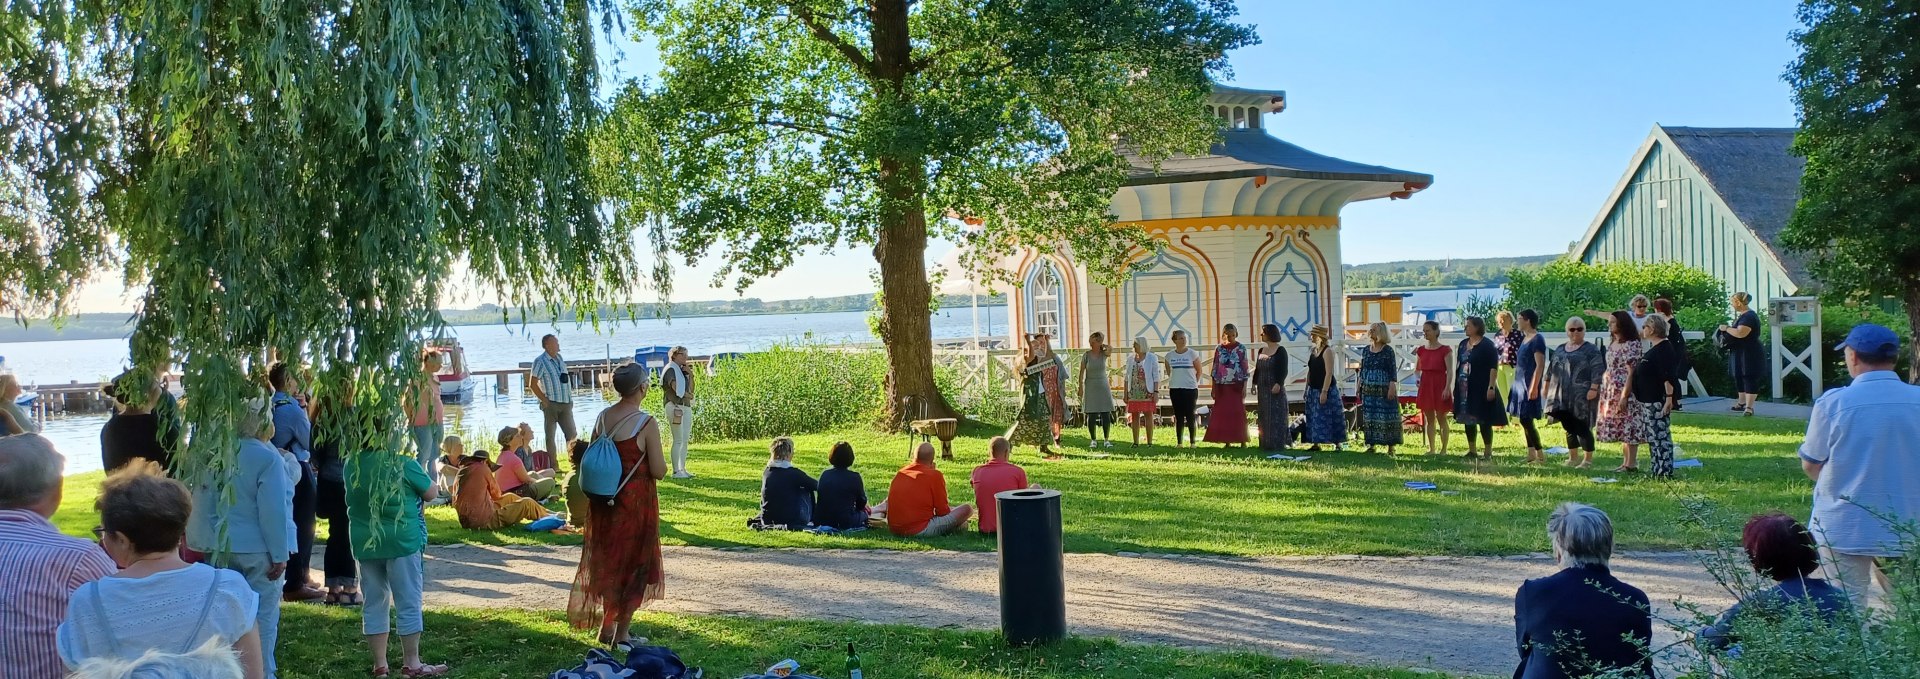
1251	232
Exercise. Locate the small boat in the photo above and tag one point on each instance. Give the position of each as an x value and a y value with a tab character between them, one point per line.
456	383
654	358
26	399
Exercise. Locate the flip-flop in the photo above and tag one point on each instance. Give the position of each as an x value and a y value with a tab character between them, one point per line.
425	671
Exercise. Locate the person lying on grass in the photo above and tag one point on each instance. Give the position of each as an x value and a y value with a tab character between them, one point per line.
481	505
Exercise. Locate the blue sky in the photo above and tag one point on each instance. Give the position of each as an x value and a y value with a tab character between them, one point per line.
1526	113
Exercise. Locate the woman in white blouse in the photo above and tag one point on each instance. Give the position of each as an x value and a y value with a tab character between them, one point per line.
157	602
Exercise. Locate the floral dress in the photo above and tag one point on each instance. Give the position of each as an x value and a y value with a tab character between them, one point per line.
1379	408
1033	425
1617	422
1227	422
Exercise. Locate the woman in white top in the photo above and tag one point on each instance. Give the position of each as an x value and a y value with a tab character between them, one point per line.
1183	387
1142	375
156	603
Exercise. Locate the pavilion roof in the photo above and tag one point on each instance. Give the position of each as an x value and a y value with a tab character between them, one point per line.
1251	152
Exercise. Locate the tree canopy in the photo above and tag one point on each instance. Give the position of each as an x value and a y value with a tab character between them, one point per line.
1857	84
779	126
299	176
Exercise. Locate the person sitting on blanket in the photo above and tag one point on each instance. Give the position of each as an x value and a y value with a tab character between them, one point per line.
481	505
917	504
843	494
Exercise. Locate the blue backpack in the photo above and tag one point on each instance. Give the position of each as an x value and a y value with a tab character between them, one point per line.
602	474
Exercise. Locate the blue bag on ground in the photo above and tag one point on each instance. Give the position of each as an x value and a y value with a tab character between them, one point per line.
656	662
599	665
602	474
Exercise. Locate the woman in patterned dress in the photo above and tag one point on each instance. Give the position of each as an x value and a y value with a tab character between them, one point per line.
620	564
1227	423
1033	424
1617	421
1573	390
1054	378
1143	389
1476	399
1380	391
1435	394
1326	415
1508	342
1270	385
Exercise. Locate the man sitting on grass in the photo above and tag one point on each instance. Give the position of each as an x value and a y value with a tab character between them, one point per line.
917	501
481	505
990	479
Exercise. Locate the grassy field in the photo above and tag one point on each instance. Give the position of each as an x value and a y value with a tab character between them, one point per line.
325	642
1235	502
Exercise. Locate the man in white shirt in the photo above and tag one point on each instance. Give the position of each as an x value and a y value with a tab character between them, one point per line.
1866	473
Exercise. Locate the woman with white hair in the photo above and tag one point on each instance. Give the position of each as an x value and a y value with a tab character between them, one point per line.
1142	375
787	493
253	512
1654	394
158	609
1581	621
14	419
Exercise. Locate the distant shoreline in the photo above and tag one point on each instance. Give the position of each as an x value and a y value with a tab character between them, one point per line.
12	333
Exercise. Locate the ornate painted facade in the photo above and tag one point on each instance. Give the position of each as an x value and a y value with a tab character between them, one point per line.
1251	235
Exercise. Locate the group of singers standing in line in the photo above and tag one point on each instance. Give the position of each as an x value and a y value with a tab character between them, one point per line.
1625	395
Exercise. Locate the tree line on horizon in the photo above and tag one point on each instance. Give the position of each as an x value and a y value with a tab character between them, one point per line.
1439	273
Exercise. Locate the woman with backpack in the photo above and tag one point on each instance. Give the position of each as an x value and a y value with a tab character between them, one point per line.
620	566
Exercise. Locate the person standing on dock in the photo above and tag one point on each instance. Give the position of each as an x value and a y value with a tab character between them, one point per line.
676	385
552	385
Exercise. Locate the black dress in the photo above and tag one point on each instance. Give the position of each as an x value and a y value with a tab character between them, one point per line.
1748	362
1476	368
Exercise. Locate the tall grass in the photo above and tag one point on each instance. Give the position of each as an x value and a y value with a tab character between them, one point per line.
792	389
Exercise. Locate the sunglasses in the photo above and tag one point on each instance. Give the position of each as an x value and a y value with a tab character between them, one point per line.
1576	329
99	532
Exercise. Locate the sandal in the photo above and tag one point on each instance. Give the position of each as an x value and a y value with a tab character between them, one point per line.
425	671
382	671
1749	412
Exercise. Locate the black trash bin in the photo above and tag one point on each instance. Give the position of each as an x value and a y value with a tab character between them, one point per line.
1033	581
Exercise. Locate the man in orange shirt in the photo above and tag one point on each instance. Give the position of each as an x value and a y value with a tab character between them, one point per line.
917	501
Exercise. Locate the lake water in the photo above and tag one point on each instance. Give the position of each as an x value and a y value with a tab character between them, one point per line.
492	347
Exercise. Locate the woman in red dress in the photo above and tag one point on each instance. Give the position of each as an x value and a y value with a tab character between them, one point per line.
1435	397
1053	378
1227	421
620	568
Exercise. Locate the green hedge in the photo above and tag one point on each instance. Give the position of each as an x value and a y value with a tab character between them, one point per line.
1567	288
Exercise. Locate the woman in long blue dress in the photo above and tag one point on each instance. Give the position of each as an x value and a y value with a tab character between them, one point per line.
1525	398
1476	401
1326	414
1379	391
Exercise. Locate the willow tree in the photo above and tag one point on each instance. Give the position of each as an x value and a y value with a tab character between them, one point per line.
1857	84
779	126
298	175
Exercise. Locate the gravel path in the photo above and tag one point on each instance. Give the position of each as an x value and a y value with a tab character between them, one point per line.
1444	613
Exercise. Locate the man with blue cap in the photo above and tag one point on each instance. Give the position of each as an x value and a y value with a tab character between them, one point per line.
1861	454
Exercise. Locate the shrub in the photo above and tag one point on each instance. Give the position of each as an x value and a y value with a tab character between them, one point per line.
1567	288
1794	642
789	389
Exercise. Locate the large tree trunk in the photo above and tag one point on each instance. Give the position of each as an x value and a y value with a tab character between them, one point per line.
906	326
1913	334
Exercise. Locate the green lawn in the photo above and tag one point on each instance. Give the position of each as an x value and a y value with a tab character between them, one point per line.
1234	502
325	642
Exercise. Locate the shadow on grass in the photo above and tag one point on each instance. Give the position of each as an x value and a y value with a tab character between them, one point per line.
321	642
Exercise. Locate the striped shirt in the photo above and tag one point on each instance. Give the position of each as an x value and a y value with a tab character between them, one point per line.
1863	436
552	372
39	569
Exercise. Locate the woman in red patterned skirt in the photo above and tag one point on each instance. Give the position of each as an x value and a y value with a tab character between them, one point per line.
620	568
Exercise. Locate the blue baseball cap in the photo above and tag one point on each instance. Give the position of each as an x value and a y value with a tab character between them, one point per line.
1875	341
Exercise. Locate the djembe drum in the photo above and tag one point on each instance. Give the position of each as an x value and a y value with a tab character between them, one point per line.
944	428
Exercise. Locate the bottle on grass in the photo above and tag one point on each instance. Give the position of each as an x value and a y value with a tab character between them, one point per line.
853	663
